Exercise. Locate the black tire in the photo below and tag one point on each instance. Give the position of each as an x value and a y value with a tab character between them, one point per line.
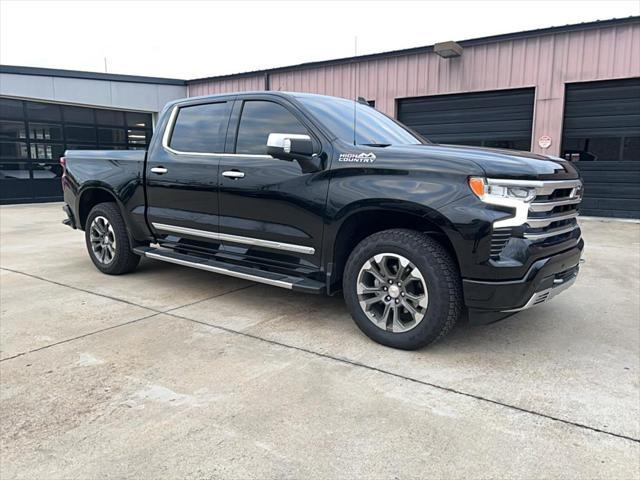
440	274
124	260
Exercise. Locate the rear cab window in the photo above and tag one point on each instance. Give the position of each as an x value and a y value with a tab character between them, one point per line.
200	128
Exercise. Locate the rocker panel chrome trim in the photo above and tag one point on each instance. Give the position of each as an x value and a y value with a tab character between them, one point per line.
258	242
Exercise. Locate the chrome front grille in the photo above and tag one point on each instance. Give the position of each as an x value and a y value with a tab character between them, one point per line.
543	212
553	211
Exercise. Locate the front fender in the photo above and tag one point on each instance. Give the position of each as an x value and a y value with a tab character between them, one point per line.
360	219
404	207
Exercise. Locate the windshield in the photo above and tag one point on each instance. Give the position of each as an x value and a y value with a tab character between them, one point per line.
372	127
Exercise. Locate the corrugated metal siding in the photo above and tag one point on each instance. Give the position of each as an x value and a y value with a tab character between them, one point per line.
546	62
472	118
606	111
603	109
241	84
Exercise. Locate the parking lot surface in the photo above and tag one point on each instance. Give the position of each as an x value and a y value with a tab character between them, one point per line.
175	372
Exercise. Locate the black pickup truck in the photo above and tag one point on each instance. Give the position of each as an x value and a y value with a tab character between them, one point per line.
320	195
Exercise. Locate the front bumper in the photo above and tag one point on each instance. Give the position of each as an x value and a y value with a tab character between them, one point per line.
489	301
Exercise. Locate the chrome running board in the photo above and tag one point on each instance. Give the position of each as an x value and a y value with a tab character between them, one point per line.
300	284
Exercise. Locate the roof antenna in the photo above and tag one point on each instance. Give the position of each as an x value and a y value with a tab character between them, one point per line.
355	88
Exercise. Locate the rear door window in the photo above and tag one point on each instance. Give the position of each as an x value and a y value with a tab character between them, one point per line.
259	119
201	128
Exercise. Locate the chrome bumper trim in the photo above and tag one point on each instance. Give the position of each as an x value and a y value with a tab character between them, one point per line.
543	296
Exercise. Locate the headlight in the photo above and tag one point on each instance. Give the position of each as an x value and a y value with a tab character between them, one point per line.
514	194
485	190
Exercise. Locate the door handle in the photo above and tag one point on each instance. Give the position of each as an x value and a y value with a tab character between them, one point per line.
233	174
159	170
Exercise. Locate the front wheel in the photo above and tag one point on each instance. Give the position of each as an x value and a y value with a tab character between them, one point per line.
402	288
107	240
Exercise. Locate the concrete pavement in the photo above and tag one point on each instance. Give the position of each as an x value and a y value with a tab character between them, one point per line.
176	372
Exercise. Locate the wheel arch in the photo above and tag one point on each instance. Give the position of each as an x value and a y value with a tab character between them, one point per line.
90	197
366	219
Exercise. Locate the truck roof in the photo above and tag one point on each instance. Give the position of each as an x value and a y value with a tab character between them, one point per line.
275	93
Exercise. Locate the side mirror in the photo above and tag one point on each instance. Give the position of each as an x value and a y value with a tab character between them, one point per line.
289	146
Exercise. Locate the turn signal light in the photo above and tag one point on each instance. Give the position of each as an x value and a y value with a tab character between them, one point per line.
476	184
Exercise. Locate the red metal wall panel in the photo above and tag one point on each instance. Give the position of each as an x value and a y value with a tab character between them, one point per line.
546	62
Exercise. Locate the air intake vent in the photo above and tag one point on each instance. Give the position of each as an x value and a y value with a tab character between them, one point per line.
542	298
499	240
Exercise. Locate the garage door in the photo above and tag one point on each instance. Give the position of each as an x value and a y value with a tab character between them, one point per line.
500	119
602	135
34	135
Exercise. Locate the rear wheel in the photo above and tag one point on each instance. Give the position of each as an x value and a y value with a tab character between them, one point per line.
402	288
107	240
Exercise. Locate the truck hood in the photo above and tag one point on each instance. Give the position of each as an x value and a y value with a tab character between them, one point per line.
493	161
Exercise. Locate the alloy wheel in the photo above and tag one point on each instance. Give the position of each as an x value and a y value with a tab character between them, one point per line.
103	240
392	292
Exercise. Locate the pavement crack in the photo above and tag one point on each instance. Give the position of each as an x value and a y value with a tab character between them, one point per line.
84	335
116	299
218	295
414	380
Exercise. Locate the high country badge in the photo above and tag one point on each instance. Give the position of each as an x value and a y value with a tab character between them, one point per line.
357	157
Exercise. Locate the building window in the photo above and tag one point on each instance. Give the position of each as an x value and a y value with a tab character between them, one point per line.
588	149
34	135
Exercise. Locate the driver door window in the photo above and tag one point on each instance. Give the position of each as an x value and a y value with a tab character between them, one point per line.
259	119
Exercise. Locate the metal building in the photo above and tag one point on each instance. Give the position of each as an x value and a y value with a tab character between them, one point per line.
44	112
572	91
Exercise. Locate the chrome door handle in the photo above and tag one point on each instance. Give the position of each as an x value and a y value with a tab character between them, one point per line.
233	174
159	170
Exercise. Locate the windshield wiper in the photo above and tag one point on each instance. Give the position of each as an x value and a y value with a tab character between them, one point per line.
376	144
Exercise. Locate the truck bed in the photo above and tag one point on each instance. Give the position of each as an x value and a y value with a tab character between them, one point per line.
112	166
101	155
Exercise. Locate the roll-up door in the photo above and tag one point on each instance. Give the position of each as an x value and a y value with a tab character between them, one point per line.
501	118
601	135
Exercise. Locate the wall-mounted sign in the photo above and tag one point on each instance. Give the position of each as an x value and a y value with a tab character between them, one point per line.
544	141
